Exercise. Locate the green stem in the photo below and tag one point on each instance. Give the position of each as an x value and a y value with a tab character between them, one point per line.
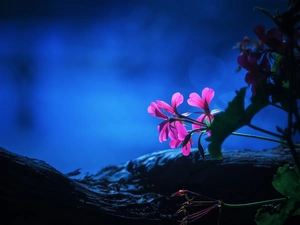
262	138
291	79
253	203
188	120
265	131
292	103
258	137
277	106
293	151
297	115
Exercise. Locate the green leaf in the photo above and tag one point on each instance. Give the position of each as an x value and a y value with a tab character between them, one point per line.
297	212
233	118
274	219
270	219
226	122
287	182
258	102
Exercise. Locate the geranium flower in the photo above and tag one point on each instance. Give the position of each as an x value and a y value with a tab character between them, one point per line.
271	38
164	128
260	64
264	63
172	127
248	60
257	66
203	103
182	134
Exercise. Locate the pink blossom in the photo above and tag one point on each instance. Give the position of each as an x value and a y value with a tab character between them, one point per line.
263	62
197	101
203	103
182	133
272	38
171	127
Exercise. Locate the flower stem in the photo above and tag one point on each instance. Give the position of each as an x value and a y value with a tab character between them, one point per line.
277	106
265	131
293	151
292	102
262	138
253	203
256	136
189	120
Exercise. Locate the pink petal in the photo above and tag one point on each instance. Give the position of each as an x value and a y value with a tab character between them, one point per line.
248	60
163	129
242	59
175	143
208	94
272	38
195	100
155	111
260	31
181	130
254	77
251	78
165	106
186	149
274	33
252	62
200	119
162	125
177	99
173	134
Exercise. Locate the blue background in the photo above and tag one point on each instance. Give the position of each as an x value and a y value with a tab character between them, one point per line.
76	77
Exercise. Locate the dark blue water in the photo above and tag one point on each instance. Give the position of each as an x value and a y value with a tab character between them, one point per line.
77	78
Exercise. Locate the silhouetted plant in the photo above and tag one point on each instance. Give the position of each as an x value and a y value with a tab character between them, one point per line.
273	72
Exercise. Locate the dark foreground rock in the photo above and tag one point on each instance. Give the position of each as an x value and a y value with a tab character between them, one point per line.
138	192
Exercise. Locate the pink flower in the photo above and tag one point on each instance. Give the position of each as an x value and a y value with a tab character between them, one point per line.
248	60
263	63
203	103
260	66
271	38
196	100
172	127
182	133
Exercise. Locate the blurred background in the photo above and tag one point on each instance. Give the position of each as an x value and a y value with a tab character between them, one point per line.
76	77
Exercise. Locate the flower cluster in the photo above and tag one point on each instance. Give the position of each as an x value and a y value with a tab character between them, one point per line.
264	58
174	124
272	62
